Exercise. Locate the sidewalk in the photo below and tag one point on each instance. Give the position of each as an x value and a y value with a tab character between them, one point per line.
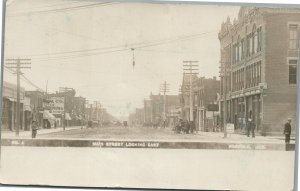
209	137
27	134
236	137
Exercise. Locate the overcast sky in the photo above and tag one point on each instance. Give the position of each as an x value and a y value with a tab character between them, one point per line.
88	46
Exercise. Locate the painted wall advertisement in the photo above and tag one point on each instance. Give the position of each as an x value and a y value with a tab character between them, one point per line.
56	105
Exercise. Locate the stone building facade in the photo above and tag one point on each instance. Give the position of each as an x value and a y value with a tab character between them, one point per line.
259	55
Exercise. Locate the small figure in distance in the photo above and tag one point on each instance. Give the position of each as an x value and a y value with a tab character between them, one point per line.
34	128
287	130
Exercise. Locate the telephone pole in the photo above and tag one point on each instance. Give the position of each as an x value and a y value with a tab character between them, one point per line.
191	68
224	74
18	64
97	103
164	88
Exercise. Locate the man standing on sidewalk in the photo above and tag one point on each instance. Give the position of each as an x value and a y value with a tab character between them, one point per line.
250	127
287	131
34	129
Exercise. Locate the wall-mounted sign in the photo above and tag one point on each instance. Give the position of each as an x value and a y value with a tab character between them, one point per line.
213	107
56	105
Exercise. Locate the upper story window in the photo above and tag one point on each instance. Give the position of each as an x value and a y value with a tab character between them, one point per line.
293	71
249	44
254	40
239	49
242	48
259	39
293	37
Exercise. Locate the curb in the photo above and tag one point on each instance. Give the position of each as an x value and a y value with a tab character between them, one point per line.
145	144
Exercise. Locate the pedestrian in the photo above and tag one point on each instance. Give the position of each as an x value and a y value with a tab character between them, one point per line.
34	129
187	127
250	128
287	131
192	127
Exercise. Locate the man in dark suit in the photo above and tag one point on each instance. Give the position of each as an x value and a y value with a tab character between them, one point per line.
287	131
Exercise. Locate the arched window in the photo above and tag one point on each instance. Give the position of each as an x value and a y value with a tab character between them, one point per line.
259	38
249	44
254	40
239	49
243	48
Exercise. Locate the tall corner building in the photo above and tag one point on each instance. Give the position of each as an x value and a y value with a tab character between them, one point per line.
258	68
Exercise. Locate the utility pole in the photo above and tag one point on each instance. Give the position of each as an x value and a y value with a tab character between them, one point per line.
225	101
97	107
224	74
86	104
191	68
100	114
91	112
18	64
47	89
96	110
164	88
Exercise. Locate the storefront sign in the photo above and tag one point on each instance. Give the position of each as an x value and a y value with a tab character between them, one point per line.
230	128
56	105
213	107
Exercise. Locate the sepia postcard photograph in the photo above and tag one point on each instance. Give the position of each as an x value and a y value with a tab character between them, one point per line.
149	95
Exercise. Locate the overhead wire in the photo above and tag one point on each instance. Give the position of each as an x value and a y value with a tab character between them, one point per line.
53	5
112	49
94	5
127	46
23	78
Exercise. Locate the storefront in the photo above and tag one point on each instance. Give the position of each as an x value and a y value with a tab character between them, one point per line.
49	120
9	112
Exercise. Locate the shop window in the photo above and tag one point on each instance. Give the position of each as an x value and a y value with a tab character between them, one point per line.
293	37
292	71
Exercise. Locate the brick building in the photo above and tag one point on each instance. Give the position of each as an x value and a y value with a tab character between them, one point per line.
74	107
137	119
259	55
205	93
37	101
153	111
157	107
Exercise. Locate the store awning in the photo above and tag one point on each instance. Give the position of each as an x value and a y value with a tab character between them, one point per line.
13	99
48	115
78	117
27	108
68	117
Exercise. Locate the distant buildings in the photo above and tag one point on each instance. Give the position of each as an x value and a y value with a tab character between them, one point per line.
153	111
203	94
49	110
66	103
259	55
